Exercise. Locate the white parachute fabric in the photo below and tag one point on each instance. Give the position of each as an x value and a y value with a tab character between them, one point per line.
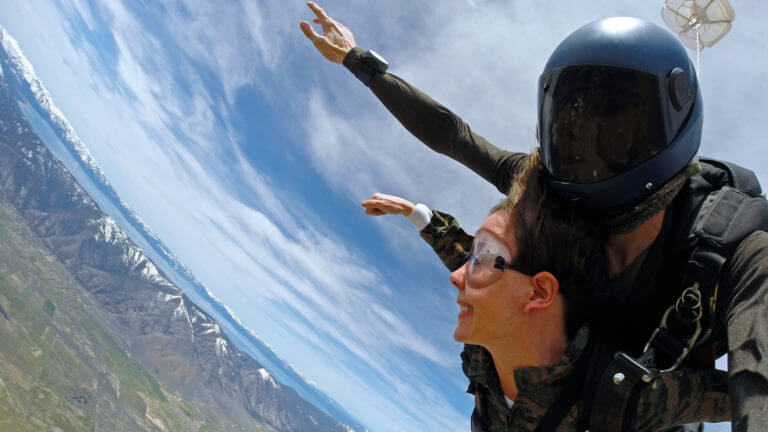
698	23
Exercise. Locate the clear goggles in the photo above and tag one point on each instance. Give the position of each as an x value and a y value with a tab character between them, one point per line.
488	259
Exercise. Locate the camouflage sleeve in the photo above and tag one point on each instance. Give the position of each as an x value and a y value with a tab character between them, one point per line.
447	239
683	396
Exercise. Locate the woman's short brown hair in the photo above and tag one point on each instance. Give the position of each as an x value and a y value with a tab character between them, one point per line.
553	236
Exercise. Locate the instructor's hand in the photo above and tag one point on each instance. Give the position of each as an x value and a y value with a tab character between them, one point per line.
381	204
336	41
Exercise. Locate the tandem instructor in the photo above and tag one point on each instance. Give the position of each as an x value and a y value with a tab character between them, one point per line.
619	125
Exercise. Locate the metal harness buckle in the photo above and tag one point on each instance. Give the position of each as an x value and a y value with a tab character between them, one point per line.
625	374
690	299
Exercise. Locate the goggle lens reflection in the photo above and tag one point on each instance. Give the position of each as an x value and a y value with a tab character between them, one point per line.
482	270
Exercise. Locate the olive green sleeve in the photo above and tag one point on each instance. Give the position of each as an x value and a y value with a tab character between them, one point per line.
447	239
445	132
683	396
744	288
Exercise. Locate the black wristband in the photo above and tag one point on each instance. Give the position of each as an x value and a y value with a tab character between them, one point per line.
352	58
365	65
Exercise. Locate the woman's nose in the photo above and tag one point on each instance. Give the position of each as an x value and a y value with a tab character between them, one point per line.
458	277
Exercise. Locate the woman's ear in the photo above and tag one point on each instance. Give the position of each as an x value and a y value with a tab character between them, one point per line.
544	291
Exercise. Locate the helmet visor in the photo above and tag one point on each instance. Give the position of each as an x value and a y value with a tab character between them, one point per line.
599	121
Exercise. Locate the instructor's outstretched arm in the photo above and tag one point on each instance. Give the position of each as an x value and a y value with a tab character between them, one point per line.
430	122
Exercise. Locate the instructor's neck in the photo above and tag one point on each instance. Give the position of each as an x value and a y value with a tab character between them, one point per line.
622	249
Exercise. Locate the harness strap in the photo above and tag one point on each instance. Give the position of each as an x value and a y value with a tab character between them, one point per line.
724	219
617	392
738	177
598	363
677	333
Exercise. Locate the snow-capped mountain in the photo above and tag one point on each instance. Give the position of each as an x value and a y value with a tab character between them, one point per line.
135	249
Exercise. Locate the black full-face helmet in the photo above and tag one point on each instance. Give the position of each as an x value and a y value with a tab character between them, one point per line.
620	113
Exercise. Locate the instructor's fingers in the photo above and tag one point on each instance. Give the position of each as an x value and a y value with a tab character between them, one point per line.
309	32
374	212
318	11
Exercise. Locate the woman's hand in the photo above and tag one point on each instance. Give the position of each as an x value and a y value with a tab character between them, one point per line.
381	204
336	41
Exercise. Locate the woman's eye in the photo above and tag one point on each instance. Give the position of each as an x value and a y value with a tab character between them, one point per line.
484	260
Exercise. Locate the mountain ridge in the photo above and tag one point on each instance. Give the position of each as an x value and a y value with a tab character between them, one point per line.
33	92
155	320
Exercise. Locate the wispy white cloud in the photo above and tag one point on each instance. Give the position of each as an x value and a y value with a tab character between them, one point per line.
176	182
483	61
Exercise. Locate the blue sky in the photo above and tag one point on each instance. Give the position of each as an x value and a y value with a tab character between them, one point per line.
248	154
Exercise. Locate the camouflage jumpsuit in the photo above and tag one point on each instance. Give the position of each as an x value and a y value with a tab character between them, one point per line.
673	398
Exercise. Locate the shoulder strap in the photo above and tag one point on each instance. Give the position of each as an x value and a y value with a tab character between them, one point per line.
738	176
727	217
723	219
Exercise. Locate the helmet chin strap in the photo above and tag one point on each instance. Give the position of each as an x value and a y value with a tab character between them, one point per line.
627	221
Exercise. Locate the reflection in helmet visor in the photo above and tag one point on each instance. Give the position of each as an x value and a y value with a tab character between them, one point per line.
600	121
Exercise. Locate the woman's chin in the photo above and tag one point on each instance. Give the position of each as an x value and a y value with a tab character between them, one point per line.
462	334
